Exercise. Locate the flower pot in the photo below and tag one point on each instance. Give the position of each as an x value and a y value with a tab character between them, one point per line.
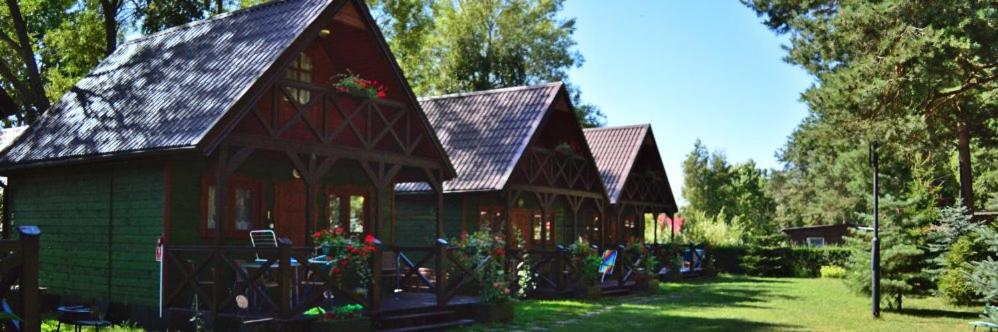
494	312
589	292
360	324
652	286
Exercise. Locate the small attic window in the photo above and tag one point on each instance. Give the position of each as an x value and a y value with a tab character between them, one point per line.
301	71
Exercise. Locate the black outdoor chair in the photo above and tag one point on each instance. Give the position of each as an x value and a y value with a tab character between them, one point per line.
83	316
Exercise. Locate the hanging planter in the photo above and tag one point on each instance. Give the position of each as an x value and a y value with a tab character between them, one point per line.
352	84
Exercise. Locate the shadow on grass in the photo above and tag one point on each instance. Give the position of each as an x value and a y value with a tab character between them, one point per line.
640	318
727	291
937	313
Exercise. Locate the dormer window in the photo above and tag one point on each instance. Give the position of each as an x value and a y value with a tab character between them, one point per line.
300	71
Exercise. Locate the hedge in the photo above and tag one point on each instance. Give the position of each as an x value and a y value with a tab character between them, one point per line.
777	261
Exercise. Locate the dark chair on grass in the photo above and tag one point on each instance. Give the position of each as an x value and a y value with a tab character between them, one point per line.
83	316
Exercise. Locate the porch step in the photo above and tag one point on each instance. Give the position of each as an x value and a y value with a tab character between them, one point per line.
433	327
423	319
417	316
616	291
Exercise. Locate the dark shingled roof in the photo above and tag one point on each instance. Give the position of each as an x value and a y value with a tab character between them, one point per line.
167	90
484	133
615	150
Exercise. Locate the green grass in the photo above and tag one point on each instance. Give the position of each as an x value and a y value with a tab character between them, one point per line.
737	303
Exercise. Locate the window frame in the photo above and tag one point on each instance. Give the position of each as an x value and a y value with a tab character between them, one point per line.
302	70
344	192
807	240
258	210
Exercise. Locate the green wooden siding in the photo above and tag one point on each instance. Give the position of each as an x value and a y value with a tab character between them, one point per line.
416	220
99	225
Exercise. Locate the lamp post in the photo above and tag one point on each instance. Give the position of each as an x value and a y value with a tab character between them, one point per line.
875	262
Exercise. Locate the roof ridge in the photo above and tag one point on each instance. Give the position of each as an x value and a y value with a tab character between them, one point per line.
215	18
497	90
638	125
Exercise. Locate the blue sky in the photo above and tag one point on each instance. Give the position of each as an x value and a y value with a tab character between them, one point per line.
693	69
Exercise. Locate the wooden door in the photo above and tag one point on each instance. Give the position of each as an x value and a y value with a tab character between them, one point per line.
289	211
521	220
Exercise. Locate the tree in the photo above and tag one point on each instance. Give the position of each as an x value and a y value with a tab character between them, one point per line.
448	46
898	62
50	44
902	257
715	189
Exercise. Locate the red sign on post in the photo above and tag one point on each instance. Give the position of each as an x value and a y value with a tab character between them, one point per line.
159	249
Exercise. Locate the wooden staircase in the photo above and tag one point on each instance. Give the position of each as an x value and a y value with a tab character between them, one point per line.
424	319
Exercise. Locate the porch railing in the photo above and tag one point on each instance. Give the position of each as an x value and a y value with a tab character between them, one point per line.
242	281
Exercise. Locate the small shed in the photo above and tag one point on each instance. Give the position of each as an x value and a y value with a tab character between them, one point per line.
818	235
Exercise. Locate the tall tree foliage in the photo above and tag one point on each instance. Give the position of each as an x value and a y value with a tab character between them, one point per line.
915	74
734	194
448	46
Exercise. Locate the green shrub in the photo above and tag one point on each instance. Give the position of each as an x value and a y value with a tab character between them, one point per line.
955	284
777	261
833	271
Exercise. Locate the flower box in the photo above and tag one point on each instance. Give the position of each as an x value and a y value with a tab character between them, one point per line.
494	312
359	324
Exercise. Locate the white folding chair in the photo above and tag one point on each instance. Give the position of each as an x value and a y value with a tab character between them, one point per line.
263	238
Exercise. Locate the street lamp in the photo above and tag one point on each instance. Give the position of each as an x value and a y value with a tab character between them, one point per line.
875	262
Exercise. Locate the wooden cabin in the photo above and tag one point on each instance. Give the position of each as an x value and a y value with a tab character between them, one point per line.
198	134
522	162
817	235
636	183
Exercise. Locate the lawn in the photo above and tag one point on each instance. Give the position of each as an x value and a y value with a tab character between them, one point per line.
737	303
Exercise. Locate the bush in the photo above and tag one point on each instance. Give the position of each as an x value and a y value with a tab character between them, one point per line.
777	261
833	271
955	284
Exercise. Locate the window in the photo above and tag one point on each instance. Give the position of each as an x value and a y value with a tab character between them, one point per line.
815	241
300	70
543	230
347	207
245	208
492	218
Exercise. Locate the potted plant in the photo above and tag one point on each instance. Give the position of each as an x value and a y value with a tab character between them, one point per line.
674	270
645	266
484	254
345	258
342	318
352	84
586	261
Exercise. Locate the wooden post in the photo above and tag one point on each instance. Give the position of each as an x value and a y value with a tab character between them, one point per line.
441	248
30	306
284	279
374	294
311	187
5	222
559	268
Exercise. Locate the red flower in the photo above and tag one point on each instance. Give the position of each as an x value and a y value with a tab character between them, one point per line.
381	94
349	248
338	230
369	239
317	234
336	270
344	262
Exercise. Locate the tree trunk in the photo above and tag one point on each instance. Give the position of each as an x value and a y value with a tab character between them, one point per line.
26	52
110	8
966	174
